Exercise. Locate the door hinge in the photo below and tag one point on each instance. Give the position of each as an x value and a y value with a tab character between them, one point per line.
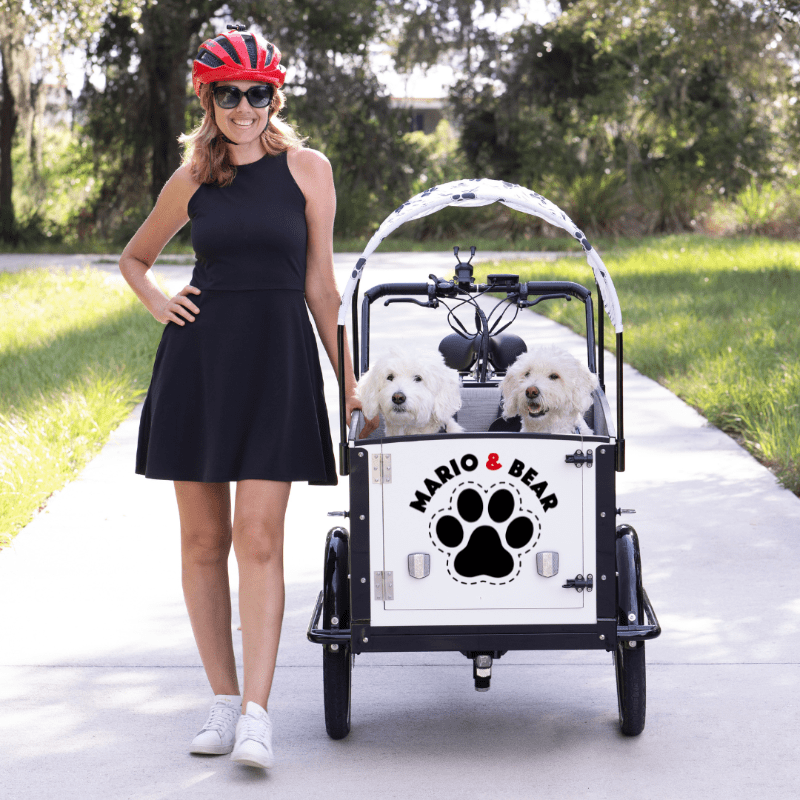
579	459
381	468
384	585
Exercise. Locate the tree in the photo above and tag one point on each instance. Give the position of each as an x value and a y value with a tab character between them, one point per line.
29	30
135	120
430	29
670	101
137	117
782	11
15	61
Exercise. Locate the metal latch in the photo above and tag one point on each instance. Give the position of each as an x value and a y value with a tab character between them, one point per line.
579	459
384	585
381	468
580	583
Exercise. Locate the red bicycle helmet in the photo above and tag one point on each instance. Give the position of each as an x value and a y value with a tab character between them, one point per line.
238	55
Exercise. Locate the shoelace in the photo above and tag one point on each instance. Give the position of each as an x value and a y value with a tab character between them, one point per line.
254	728
220	718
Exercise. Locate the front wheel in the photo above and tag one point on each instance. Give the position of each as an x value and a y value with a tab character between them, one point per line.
629	664
337	669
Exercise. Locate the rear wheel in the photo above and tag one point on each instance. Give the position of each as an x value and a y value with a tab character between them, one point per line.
629	664
337	659
337	669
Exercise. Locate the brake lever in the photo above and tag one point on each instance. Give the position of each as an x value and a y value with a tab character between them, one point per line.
529	303
432	303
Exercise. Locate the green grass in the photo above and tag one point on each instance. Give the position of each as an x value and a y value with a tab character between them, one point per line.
88	247
713	320
76	352
716	322
392	244
398	244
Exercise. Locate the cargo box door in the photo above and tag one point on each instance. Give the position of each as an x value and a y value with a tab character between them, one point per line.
465	519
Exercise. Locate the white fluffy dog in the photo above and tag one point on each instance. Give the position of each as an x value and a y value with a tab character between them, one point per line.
549	390
415	393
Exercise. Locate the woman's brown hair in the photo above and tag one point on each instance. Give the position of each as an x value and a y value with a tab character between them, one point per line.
206	153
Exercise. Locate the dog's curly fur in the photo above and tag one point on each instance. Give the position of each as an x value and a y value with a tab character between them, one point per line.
414	393
549	390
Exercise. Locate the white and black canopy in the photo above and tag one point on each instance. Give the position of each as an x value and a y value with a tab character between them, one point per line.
482	192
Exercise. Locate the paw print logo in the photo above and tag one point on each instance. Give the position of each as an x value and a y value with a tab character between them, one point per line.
485	533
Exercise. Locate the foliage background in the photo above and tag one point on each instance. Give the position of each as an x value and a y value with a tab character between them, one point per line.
670	117
637	118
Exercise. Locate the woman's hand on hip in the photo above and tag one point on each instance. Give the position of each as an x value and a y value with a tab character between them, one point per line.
179	307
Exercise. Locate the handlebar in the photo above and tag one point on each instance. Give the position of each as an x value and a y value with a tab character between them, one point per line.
452	290
514	290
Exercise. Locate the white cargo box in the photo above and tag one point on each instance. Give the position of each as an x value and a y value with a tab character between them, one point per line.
468	515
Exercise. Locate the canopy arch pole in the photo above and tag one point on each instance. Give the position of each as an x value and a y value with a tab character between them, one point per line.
475	192
344	455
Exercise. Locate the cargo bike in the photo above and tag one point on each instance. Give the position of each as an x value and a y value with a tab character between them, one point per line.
492	539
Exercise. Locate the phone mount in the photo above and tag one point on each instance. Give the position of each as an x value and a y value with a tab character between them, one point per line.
464	276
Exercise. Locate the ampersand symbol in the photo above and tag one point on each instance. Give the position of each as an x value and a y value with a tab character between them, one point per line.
493	462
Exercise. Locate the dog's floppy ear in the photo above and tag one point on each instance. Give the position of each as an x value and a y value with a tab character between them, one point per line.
507	390
505	387
447	392
588	383
444	387
367	392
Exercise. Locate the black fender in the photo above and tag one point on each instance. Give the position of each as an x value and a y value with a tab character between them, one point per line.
630	593
336	579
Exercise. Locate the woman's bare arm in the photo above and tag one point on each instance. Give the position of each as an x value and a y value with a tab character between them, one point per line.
165	220
314	176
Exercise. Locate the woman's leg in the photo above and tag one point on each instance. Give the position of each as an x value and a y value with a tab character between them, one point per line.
205	514
258	542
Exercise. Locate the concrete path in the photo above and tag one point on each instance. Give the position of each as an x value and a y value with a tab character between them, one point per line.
101	688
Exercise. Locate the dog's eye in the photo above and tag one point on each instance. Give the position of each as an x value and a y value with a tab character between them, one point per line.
418	379
527	374
390	377
554	377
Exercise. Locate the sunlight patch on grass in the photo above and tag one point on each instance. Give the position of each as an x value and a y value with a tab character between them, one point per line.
715	321
76	350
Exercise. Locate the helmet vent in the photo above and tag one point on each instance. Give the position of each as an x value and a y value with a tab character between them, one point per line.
231	50
210	59
250	43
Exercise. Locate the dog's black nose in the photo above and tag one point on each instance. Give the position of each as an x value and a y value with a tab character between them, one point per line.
532	392
398	398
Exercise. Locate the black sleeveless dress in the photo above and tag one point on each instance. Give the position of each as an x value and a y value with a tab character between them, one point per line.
237	394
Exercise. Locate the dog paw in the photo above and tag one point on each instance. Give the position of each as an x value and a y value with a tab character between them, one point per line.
485	533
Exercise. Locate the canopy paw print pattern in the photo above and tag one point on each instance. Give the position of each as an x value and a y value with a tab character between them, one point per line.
473	192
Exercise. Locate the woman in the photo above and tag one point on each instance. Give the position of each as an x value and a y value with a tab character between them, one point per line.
236	393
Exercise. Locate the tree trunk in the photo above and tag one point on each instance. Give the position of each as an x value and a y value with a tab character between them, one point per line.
167	95
8	125
16	60
166	62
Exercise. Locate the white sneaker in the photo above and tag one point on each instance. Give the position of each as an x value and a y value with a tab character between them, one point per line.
253	738
216	738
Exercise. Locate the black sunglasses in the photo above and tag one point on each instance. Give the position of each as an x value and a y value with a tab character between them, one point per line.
231	96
